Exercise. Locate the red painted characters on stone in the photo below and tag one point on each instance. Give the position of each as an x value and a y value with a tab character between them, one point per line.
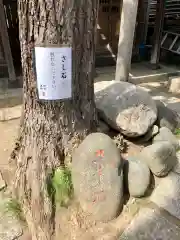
100	153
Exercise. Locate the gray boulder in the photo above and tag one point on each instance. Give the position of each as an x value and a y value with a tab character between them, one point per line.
97	175
166	135
167	195
137	177
125	107
160	158
167	117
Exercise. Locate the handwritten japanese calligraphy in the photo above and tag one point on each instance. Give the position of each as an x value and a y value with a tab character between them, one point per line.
52	57
54	72
98	196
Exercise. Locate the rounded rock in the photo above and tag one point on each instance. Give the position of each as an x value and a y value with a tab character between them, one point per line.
160	157
97	176
137	177
125	107
166	135
167	117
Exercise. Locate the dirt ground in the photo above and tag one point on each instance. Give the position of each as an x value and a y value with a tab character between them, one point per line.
8	133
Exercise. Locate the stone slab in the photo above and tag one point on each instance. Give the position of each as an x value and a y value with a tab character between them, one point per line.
167	194
150	224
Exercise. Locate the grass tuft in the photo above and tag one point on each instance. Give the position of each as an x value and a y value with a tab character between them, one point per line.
177	132
62	184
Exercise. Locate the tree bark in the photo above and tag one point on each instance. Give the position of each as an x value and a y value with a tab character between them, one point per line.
51	129
126	38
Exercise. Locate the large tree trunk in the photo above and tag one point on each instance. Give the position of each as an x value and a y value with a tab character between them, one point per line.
49	130
126	38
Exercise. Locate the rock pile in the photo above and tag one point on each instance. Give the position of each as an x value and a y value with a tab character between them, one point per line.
98	171
100	176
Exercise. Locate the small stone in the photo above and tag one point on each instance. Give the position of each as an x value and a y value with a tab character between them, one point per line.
125	107
154	131
150	224
97	175
2	182
166	135
167	117
137	177
167	194
160	157
174	84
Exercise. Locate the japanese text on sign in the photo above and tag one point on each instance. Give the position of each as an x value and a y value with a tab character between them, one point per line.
54	72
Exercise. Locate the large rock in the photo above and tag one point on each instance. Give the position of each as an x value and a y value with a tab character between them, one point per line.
167	117
137	177
126	107
166	135
150	224
167	194
160	157
97	176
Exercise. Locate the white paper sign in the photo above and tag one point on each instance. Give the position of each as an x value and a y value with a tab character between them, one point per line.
54	72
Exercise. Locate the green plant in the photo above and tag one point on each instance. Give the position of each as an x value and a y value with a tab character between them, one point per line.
13	206
177	132
62	184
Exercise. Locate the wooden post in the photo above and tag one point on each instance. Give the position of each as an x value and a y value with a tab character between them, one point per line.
142	28
1	51
5	43
126	39
159	22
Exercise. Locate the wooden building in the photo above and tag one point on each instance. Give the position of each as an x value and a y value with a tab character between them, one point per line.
146	32
107	30
7	69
